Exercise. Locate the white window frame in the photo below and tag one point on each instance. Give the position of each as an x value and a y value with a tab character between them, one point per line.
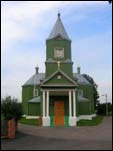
35	92
56	55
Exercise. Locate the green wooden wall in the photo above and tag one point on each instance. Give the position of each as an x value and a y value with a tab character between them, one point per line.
27	94
52	67
34	109
86	107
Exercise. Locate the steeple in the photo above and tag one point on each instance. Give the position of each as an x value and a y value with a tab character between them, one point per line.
58	50
58	30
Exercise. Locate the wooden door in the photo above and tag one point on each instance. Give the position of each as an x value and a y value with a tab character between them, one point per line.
59	113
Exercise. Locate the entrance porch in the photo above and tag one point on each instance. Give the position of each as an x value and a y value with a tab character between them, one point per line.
59	107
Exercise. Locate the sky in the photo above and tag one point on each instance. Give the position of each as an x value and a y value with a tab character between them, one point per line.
25	26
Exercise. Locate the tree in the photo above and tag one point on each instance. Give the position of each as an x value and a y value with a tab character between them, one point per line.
101	109
11	109
95	92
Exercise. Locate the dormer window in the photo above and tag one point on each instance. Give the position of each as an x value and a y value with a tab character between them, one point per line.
35	92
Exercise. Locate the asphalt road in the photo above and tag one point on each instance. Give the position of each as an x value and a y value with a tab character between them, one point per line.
62	138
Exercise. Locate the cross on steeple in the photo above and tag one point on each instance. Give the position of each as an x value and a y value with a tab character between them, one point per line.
58	63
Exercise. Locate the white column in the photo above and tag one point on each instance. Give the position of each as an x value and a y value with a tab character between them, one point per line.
46	118
72	119
70	106
74	104
47	109
43	103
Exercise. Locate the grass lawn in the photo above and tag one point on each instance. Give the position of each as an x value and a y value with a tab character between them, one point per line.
29	121
95	121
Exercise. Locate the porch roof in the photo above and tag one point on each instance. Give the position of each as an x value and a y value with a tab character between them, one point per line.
34	100
81	98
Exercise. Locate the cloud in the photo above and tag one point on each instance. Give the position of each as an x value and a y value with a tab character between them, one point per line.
25	25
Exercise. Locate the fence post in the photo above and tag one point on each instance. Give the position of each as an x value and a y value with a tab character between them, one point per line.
11	128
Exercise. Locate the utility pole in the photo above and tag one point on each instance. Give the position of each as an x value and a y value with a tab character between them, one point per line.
106	104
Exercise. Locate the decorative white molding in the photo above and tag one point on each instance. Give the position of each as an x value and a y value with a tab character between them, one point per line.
32	117
85	117
62	73
72	121
46	121
66	90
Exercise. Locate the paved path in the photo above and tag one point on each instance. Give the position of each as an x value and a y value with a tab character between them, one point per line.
64	138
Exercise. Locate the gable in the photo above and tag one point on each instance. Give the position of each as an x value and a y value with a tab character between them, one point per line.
59	78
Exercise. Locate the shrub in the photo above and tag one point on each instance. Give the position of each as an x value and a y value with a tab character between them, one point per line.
101	108
11	109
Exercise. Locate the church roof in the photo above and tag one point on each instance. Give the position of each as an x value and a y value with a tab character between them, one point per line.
80	78
35	79
58	30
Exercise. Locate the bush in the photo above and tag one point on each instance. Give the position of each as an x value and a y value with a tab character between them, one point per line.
11	109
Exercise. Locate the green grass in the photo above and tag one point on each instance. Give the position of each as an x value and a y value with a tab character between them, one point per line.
95	121
29	121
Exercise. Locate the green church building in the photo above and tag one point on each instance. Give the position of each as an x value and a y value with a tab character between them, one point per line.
59	96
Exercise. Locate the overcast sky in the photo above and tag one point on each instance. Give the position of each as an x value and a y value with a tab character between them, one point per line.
25	26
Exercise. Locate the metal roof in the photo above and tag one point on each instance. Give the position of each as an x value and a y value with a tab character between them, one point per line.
58	30
81	98
35	100
35	79
80	78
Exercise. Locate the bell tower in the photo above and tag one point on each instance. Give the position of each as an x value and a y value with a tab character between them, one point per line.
58	49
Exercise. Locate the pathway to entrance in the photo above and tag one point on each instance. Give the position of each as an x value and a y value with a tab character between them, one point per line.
71	138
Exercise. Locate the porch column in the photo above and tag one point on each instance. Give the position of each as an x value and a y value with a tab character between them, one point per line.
72	117
43	103
47	109
70	105
46	118
74	104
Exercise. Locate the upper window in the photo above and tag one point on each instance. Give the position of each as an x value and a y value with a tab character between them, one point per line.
35	92
80	92
59	52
